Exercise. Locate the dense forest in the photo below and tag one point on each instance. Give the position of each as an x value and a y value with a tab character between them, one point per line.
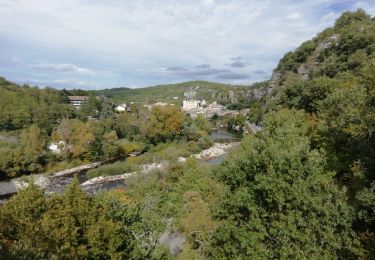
303	187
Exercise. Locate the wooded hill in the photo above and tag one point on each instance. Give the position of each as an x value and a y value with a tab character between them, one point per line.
332	79
208	91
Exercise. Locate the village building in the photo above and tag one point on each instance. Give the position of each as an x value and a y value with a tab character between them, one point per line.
77	101
121	108
57	147
190	104
214	106
195	108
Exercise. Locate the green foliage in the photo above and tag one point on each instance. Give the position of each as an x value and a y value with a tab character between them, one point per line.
32	149
348	18
339	94
365	203
127	147
297	93
179	198
110	145
238	120
205	142
23	106
292	60
106	109
202	123
116	168
281	200
91	107
164	123
27	156
68	226
366	199
76	137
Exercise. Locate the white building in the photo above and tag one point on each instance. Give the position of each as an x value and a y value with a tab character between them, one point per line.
120	108
56	147
215	106
190	104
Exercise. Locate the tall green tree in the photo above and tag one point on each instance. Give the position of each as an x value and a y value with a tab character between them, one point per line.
32	149
91	107
110	145
282	201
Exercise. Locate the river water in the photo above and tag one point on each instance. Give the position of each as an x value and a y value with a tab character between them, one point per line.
223	136
57	184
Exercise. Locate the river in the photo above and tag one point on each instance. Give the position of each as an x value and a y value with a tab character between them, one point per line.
56	184
223	136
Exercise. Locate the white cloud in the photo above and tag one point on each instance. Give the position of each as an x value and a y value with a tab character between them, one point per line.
294	15
136	36
207	2
62	67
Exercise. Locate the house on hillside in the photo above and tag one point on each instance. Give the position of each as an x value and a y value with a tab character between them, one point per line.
77	101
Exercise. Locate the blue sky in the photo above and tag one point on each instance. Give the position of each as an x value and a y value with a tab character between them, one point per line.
94	44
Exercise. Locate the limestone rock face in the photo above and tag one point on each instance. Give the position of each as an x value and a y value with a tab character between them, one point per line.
303	71
328	43
276	75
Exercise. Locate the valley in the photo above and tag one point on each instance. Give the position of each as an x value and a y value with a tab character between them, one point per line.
277	169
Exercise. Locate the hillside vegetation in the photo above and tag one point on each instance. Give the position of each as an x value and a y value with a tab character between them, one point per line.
23	106
332	79
204	90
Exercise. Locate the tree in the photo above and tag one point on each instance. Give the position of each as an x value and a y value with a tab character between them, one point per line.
69	226
349	17
76	137
32	149
110	145
281	200
126	125
91	106
365	201
203	124
344	125
106	109
165	123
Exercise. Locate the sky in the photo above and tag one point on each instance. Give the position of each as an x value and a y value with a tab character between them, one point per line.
96	44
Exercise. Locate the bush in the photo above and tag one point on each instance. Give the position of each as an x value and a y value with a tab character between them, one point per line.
205	142
116	168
